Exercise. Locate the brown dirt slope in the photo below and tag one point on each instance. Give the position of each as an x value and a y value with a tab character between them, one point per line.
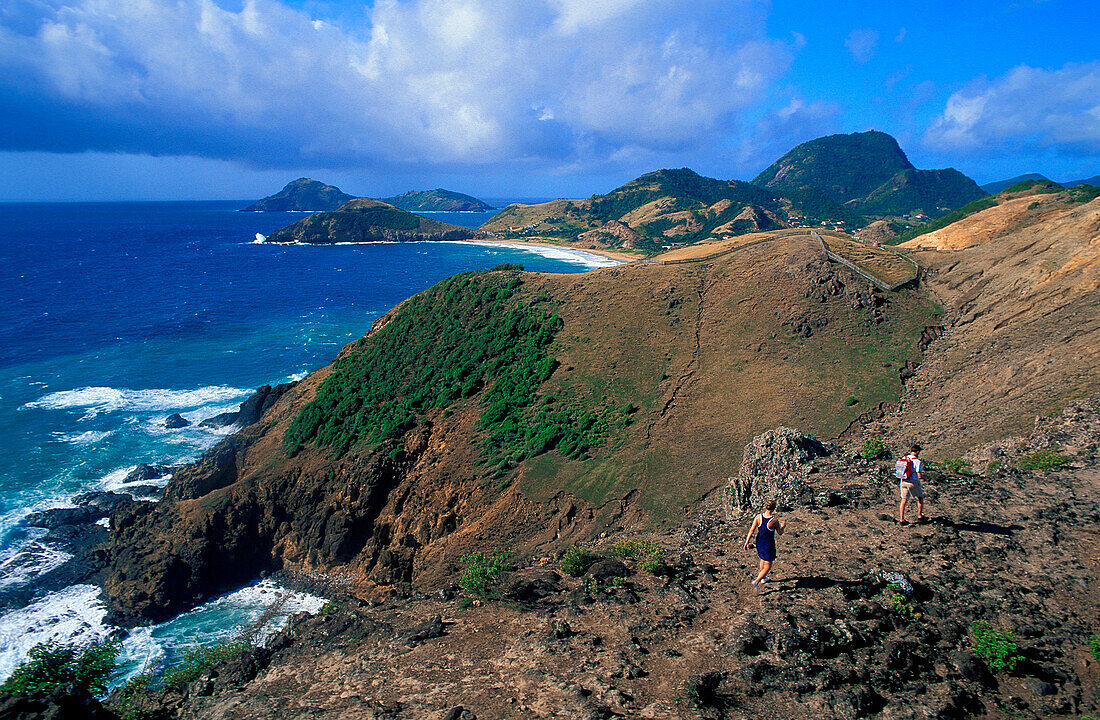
1021	286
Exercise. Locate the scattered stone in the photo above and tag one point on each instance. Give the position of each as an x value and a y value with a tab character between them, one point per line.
607	568
560	629
175	421
898	580
459	713
426	631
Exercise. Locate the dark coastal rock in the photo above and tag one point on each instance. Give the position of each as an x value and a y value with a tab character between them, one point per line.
252	409
58	517
106	502
65	701
220	420
175	421
147	471
90	507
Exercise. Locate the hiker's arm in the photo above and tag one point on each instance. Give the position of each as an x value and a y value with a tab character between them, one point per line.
755	524
778	526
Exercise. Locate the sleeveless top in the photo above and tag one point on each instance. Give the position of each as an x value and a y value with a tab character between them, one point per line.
765	540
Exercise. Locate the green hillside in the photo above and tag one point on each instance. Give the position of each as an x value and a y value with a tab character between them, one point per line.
438	200
843	167
303	195
931	192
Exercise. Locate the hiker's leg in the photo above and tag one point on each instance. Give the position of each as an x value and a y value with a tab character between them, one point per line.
920	508
901	509
765	566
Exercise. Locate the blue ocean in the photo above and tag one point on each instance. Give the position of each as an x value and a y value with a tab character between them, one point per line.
116	315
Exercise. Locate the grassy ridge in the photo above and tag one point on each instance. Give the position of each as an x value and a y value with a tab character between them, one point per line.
465	335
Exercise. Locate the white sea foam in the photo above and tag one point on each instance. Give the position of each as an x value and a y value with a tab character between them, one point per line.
259	239
28	562
88	437
219	619
74	615
96	400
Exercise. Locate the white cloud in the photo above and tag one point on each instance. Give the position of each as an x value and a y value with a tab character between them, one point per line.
861	43
1030	108
438	82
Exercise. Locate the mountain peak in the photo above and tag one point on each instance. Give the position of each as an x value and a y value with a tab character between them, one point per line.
303	194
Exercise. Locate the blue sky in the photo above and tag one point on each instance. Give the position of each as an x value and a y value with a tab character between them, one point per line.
203	99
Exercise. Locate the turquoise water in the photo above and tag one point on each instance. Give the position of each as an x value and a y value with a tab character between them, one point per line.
116	315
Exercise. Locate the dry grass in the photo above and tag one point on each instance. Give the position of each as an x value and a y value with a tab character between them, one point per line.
886	265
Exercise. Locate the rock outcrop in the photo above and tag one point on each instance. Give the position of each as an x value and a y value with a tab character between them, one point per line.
775	466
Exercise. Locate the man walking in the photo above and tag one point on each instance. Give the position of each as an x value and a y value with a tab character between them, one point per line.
909	474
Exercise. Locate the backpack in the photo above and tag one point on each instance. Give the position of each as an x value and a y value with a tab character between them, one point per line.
903	468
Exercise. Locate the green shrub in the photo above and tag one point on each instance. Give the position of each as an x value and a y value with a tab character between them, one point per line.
1094	646
648	554
576	560
873	449
997	647
958	466
903	607
1043	459
480	571
125	702
46	667
198	659
462	337
851	400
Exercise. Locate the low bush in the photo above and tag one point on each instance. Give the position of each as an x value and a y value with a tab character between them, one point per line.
649	556
576	560
1043	459
902	606
851	400
1094	646
480	570
197	660
958	466
874	449
46	667
997	647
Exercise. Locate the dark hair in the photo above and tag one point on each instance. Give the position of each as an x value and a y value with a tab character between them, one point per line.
770	505
915	448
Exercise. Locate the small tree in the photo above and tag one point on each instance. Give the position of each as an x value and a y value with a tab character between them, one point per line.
46	667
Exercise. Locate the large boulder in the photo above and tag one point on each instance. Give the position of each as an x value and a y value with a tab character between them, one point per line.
774	467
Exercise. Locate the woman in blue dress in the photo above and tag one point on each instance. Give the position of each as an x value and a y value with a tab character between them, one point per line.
766	526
